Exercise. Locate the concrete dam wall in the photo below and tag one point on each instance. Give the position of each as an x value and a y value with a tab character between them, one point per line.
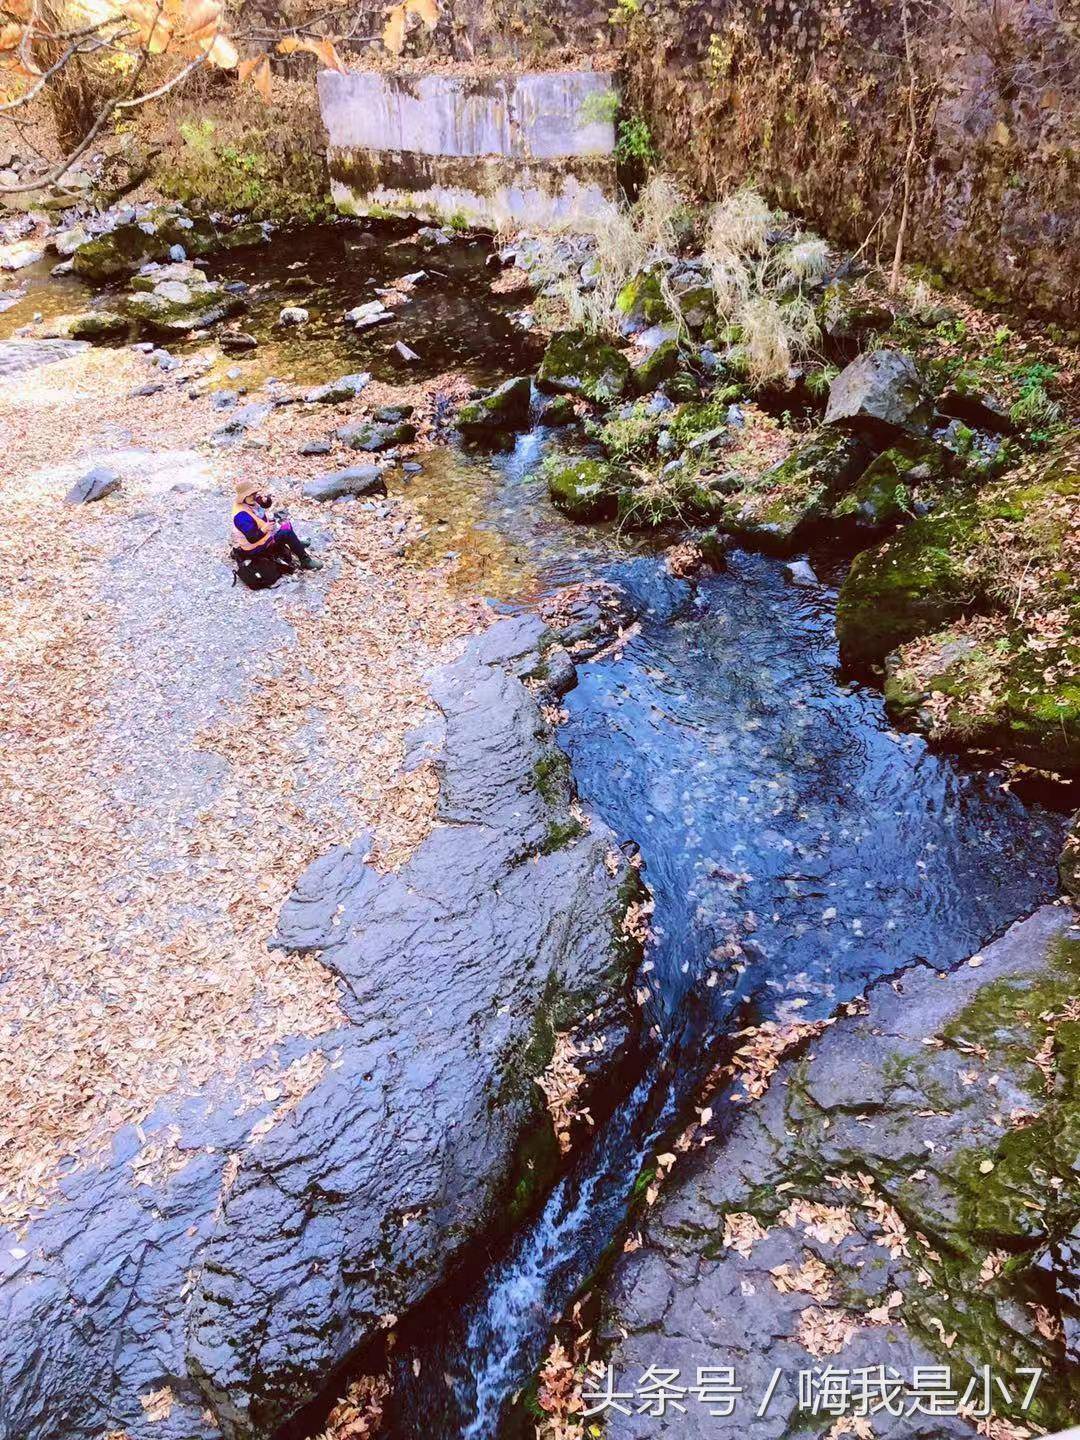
534	149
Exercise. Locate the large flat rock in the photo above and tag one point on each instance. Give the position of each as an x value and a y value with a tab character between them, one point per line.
215	1290
947	1159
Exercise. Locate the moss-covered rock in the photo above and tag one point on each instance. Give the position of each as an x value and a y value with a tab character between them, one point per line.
174	300
980	604
583	488
848	314
661	365
505	408
911	585
884	493
559	411
579	364
785	505
92	325
641	302
374	437
122	250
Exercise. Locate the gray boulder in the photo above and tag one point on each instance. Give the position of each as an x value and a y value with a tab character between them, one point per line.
240	1284
881	393
378	436
336	392
359	480
94	485
239	423
920	1126
292	315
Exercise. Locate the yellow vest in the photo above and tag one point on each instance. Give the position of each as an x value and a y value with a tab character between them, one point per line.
239	539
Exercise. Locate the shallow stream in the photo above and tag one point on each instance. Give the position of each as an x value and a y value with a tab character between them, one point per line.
797	846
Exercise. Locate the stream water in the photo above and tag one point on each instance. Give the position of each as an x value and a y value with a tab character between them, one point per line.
797	846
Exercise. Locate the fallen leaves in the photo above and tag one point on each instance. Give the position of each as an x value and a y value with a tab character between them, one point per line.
358	1415
137	902
742	1231
824	1332
827	1223
755	1062
157	1404
561	1083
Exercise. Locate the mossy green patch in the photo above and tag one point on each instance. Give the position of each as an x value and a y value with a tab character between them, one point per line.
588	365
582	488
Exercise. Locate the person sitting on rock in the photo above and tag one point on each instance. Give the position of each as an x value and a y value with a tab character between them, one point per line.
260	533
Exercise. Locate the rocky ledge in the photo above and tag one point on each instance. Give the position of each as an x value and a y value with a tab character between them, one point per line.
904	1194
212	1272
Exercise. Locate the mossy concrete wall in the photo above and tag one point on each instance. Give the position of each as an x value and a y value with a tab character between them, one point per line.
534	149
810	98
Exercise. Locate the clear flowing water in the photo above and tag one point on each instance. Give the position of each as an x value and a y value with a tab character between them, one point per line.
797	845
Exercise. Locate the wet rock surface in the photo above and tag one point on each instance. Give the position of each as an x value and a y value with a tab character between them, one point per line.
240	1284
898	1197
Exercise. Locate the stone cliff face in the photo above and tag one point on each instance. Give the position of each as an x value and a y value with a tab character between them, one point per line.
810	100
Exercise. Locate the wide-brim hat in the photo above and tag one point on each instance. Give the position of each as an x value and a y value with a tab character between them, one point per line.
245	489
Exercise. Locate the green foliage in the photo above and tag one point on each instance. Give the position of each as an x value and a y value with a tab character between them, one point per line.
624	11
1034	408
634	142
630	436
458	222
819	380
231	168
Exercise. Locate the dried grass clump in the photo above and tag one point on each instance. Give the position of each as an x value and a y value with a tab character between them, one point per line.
774	333
758	288
627	242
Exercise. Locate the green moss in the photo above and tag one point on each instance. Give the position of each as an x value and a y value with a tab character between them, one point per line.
883	494
551	777
587	365
559	834
641	301
629	436
910	586
583	489
505	408
269	171
661	365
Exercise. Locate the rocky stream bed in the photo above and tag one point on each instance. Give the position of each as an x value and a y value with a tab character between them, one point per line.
822	1069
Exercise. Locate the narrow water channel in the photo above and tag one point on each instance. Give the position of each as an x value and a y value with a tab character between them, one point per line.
797	845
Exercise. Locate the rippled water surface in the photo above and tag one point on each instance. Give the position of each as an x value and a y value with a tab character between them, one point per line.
797	845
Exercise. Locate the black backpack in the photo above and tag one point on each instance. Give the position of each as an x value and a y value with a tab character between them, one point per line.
259	572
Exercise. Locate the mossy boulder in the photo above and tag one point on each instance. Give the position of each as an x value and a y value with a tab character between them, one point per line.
505	408
787	504
582	488
847	314
588	365
122	250
174	300
661	365
92	325
641	302
884	493
559	411
371	438
911	585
